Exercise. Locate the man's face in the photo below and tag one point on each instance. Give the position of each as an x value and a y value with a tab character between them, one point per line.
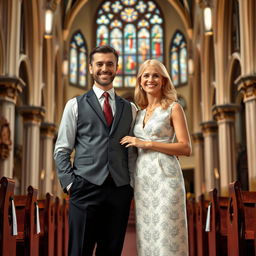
103	69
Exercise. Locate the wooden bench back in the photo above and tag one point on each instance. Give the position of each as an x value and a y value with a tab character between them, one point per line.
47	220
241	221
27	239
7	239
58	227
202	238
191	217
217	236
65	212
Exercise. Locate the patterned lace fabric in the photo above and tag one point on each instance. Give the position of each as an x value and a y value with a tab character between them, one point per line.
159	191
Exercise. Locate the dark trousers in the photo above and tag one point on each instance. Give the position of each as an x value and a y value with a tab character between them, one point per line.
98	215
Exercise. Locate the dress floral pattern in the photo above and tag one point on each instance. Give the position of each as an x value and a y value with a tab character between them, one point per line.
159	191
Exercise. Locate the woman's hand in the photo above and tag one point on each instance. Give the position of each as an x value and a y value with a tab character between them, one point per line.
133	142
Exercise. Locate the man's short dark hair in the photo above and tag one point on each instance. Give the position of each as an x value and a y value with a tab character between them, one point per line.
103	49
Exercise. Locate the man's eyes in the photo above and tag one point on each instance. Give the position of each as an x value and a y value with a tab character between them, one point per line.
110	64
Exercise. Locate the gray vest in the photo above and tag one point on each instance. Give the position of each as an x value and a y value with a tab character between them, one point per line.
98	151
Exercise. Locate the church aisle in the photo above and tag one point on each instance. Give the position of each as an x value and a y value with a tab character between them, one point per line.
130	242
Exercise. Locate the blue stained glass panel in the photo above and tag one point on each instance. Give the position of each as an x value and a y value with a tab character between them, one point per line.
106	6
178	55
142	58
116	40
144	48
141	6
158	57
102	35
130	38
118	81
120	65
78	39
73	66
102	20
183	65
175	68
143	23
130	81
117	7
129	2
129	14
82	69
116	23
151	6
157	40
130	64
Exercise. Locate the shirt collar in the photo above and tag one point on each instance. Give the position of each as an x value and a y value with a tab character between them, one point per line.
99	92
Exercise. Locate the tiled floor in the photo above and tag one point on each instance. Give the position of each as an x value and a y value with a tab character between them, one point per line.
130	242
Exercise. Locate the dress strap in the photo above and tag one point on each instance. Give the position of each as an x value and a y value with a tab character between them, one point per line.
170	108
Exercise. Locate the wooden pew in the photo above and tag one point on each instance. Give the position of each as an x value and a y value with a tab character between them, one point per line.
27	240
7	239
65	211
202	239
58	227
47	220
241	221
217	236
191	216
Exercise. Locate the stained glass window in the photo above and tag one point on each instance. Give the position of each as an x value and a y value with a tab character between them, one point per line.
178	59
135	29
78	60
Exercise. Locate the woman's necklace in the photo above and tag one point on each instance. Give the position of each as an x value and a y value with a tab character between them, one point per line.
150	109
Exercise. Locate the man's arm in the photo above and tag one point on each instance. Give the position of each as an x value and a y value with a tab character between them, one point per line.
65	144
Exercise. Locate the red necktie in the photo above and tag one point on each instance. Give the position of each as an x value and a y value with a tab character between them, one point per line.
107	109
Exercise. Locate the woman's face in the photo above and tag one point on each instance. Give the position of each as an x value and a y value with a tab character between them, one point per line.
152	81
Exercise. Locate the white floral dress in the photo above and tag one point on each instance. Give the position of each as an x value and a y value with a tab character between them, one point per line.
159	191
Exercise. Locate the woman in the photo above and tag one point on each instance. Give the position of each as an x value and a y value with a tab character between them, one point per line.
159	189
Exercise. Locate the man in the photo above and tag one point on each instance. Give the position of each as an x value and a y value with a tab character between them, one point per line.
98	181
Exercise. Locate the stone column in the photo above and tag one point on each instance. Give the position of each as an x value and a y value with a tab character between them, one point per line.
247	85
225	116
32	117
198	149
46	157
10	87
211	168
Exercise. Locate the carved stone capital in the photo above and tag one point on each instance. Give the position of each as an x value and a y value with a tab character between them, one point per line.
48	129
5	139
197	137
225	112
247	85
32	114
209	127
10	87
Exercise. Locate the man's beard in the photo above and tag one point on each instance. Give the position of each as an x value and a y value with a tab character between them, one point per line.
101	82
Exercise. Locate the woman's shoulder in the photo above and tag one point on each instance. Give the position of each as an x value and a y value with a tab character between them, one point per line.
174	105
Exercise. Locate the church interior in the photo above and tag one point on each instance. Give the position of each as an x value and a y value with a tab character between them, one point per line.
209	50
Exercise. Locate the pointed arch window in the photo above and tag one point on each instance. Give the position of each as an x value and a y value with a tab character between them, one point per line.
178	59
78	60
135	29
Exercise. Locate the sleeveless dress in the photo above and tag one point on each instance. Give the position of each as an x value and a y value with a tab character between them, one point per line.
159	191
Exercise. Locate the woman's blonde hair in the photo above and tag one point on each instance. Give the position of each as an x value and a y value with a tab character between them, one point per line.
169	93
